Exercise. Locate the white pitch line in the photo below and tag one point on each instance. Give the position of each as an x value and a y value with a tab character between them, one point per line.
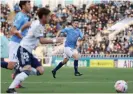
64	82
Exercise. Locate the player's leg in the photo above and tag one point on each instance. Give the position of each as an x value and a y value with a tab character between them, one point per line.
7	65
76	72
59	66
13	47
25	59
12	54
19	78
37	68
67	55
76	57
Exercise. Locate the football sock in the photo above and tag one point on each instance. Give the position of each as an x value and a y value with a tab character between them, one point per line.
58	66
76	66
19	78
4	65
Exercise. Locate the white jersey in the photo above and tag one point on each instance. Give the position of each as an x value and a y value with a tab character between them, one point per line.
31	40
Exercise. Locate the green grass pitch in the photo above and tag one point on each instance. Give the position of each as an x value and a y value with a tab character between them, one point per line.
94	80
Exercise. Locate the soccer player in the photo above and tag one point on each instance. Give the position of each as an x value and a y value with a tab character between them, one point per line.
26	59
73	34
77	73
21	18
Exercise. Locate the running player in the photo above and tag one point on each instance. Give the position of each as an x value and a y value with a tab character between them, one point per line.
73	34
21	18
26	59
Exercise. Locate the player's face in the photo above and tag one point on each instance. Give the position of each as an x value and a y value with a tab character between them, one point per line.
75	24
46	19
28	7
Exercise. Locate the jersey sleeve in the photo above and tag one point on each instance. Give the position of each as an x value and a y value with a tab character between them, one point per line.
80	35
65	30
38	31
18	21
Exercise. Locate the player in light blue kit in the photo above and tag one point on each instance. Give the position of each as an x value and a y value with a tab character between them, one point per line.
20	20
73	34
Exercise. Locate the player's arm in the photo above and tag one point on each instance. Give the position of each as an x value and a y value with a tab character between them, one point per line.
14	31
17	25
27	25
51	41
80	40
61	31
82	37
38	33
58	33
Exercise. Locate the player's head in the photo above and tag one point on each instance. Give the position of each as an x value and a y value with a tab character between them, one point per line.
25	5
75	24
44	15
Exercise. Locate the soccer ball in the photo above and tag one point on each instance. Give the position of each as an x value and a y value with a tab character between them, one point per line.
121	86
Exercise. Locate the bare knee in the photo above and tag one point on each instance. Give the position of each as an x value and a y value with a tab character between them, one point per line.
65	61
40	69
11	65
75	56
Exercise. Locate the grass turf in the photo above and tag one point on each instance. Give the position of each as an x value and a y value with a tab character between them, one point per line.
93	80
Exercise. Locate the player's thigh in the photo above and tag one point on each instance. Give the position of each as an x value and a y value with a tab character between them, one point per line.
37	65
75	54
13	47
24	57
68	52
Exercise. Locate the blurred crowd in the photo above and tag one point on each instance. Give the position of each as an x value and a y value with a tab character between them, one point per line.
4	23
121	44
92	21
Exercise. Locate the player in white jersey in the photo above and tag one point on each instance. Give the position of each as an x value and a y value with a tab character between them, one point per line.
26	59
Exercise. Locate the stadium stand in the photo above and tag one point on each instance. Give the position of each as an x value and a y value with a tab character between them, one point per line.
93	20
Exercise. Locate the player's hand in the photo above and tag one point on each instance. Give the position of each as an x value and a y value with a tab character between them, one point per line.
60	40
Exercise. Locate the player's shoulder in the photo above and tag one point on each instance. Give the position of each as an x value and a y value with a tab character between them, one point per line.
78	29
36	25
69	28
19	16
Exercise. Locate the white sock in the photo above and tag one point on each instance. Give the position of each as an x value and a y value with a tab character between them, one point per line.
20	77
33	71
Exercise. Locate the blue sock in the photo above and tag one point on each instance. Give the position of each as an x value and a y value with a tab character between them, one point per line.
58	66
76	66
4	65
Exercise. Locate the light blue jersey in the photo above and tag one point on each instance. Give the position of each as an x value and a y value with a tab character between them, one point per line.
19	21
72	36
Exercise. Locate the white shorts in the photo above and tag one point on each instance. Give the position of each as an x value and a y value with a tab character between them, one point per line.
68	52
13	47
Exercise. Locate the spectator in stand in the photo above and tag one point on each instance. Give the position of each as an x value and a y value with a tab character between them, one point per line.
93	21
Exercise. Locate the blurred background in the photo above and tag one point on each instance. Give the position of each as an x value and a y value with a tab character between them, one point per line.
106	53
107	26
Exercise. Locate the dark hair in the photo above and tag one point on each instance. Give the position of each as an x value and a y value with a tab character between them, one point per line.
43	11
21	3
74	20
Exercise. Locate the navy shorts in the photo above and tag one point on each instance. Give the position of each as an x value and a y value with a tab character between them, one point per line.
26	58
